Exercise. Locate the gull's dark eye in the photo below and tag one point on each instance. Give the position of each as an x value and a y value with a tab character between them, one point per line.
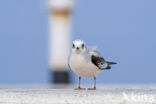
82	45
73	46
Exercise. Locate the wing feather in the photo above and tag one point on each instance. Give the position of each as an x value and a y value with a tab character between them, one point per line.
99	62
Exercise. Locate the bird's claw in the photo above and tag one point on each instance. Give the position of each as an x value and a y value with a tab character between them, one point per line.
92	88
79	88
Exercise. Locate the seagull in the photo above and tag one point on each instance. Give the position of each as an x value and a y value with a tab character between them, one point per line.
87	62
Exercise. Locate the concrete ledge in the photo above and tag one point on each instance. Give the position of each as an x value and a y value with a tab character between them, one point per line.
70	96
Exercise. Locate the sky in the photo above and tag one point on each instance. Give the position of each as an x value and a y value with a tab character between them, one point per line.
123	30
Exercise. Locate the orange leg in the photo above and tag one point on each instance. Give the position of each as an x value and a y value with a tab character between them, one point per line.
79	88
94	88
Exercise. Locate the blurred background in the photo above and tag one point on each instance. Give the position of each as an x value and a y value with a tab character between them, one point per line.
123	30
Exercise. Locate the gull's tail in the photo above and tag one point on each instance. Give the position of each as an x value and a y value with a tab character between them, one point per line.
110	63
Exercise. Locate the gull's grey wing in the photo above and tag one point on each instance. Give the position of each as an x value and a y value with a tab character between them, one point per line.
99	62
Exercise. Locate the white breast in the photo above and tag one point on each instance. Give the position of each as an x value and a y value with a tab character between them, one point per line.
82	67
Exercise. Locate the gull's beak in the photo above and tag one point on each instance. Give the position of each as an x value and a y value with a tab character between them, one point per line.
77	48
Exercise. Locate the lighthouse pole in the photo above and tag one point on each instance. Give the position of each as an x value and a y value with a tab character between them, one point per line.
60	26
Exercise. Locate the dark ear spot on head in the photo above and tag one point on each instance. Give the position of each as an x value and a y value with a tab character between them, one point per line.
73	46
82	45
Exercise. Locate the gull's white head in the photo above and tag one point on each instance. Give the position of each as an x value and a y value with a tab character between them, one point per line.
78	47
